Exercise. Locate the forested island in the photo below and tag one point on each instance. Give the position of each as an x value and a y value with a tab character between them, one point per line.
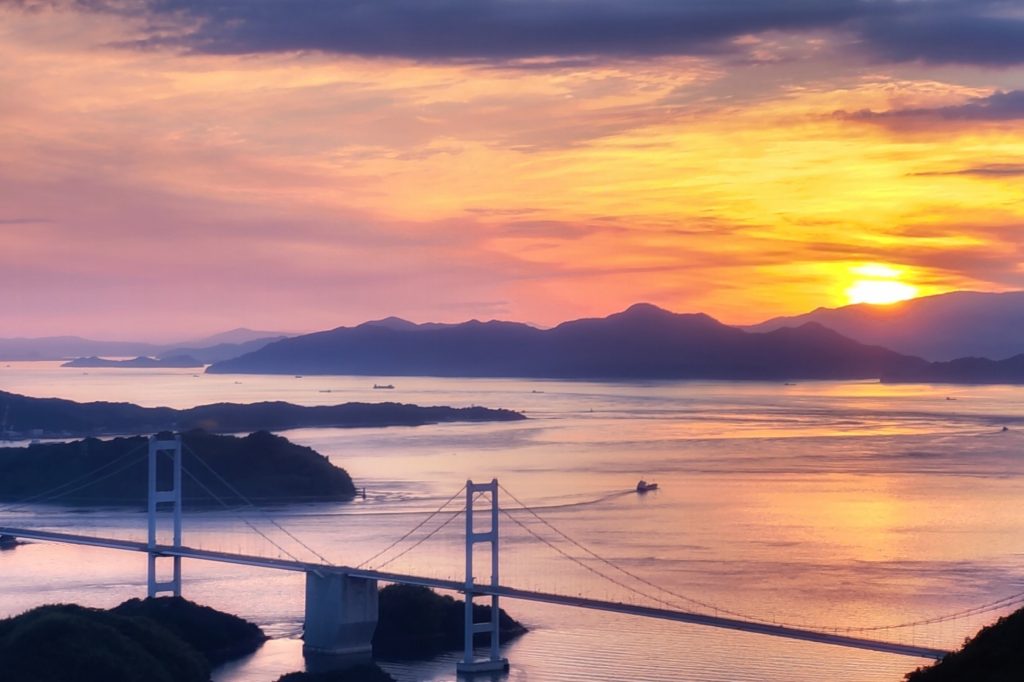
55	417
170	639
158	640
416	622
262	467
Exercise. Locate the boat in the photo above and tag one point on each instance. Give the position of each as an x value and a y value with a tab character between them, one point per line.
383	385
643	486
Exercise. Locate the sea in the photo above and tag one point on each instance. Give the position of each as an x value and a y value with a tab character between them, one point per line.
854	507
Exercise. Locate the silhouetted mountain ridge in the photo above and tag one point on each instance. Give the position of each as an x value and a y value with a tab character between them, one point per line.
641	342
938	328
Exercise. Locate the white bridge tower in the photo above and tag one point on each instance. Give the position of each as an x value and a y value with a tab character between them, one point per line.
172	496
494	662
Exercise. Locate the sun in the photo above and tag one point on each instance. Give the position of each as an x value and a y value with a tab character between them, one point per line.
880	292
879	285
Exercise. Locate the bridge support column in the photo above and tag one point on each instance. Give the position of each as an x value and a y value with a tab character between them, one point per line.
494	662
341	616
170	496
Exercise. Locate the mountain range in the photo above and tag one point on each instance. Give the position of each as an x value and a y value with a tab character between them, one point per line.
938	328
962	337
642	342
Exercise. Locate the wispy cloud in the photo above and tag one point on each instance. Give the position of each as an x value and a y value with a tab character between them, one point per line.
999	106
23	221
318	162
992	170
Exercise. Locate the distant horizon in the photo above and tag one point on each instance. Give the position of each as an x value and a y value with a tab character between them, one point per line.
204	334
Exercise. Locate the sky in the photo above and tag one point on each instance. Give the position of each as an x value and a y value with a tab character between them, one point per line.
171	168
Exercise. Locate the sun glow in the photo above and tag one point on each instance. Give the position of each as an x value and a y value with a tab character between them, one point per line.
878	284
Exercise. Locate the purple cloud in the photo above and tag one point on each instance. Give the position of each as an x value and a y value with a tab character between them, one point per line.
980	32
999	106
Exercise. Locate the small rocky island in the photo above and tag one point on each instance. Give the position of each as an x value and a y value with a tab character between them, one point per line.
263	467
416	622
25	416
141	362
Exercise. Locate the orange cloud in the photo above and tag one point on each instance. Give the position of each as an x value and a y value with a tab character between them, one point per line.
304	191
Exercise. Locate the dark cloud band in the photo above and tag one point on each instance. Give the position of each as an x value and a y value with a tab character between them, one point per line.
982	32
489	29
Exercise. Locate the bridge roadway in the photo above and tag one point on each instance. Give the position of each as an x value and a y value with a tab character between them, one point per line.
503	592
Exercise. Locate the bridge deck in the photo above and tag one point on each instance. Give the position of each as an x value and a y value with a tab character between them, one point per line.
833	638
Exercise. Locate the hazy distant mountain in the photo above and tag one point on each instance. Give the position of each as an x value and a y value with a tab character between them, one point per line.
210	349
237	336
141	362
398	324
221	351
643	342
63	347
942	327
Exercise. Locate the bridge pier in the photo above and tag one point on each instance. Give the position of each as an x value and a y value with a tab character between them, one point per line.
341	616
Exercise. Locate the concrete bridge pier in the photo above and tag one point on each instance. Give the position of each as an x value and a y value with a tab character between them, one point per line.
341	616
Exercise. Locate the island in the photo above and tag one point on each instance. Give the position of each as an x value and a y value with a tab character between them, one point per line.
171	639
416	622
28	417
222	470
963	371
166	639
141	362
643	342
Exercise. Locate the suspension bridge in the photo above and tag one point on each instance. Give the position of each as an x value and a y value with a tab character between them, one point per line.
341	600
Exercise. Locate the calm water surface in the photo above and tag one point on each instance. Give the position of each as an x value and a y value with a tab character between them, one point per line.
824	504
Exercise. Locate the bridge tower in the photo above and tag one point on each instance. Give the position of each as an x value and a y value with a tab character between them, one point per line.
172	496
494	662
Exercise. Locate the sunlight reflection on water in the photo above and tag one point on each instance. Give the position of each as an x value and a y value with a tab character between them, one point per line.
824	503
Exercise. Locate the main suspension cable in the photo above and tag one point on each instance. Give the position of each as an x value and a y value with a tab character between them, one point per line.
413	530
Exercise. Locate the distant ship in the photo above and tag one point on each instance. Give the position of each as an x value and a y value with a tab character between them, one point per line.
383	385
643	486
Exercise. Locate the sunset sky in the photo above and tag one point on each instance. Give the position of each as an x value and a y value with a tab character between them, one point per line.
172	168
